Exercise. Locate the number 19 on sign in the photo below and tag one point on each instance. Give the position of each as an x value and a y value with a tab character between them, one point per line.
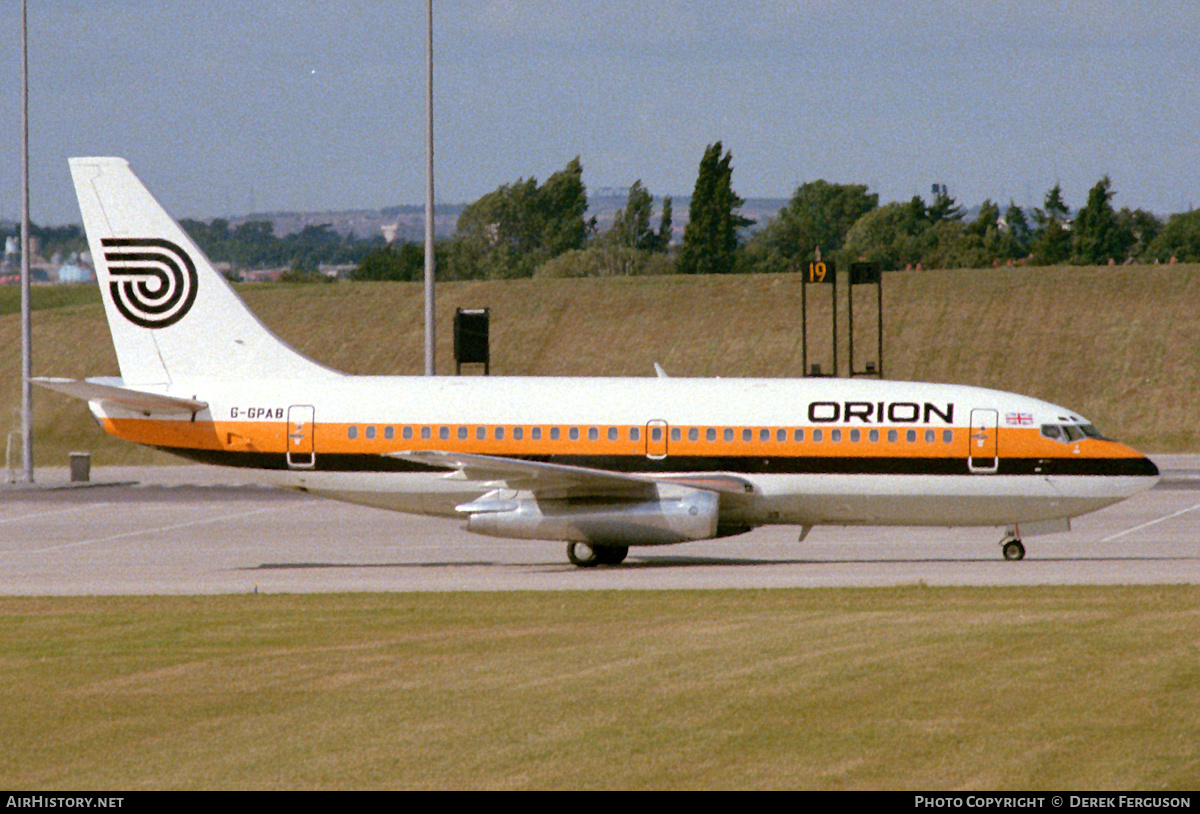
820	271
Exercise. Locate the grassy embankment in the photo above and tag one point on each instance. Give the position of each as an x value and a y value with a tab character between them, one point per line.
905	688
1119	345
1022	688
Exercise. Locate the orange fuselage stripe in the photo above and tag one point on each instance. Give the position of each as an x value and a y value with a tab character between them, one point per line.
272	437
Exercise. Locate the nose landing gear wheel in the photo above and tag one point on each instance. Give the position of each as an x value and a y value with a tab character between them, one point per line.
1013	550
589	556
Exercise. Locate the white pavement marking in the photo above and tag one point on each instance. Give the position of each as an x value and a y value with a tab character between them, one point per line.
1150	523
149	530
80	508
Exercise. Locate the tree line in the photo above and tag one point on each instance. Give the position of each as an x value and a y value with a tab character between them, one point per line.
249	245
254	245
526	228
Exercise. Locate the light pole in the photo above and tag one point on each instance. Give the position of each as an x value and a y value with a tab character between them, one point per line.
430	364
26	359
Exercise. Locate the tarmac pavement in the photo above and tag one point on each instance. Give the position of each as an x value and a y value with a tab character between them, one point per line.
198	529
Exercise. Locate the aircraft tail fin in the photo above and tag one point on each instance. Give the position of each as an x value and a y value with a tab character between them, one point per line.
171	314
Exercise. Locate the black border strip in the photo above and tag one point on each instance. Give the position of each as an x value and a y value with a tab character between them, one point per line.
746	465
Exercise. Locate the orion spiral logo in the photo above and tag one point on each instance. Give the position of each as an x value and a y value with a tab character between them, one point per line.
153	281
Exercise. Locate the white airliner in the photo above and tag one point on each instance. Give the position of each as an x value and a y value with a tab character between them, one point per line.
602	464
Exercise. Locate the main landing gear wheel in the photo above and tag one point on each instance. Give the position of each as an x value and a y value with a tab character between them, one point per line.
1013	550
589	556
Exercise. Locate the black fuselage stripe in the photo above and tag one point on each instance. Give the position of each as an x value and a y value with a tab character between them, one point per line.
747	465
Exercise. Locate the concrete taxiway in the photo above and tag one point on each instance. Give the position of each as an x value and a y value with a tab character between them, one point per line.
196	529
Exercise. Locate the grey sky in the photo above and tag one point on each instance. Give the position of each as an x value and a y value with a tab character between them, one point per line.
227	106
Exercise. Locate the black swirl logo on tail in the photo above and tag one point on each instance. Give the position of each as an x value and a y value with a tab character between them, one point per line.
153	281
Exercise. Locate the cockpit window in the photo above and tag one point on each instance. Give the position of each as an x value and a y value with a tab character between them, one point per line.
1070	433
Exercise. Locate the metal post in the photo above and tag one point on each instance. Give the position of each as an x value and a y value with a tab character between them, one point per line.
850	308
834	308
879	324
430	364
803	327
26	343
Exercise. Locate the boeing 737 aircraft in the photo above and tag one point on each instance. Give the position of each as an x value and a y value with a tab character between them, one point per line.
601	464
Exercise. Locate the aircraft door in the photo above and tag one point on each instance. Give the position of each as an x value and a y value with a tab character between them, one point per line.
983	455
301	452
656	439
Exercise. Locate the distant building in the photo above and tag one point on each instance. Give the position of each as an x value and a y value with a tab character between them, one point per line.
72	273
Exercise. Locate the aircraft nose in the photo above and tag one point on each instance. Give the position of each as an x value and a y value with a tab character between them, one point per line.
1151	467
1144	468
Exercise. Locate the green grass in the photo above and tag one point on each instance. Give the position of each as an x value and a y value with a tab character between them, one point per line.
905	688
44	297
1118	345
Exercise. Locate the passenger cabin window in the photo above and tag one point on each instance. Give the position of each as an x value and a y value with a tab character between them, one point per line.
635	434
389	433
612	433
694	434
554	434
573	433
352	433
370	432
426	433
710	434
499	433
675	434
818	436
480	433
407	433
593	434
518	433
728	434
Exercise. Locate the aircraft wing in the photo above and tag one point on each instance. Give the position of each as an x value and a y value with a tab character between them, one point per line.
558	481
138	400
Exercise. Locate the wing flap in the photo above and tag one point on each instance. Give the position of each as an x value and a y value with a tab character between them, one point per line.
557	481
547	481
137	400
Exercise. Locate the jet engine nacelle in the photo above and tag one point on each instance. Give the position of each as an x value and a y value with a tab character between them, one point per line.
691	515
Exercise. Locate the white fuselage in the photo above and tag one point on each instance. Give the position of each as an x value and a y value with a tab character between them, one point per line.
813	451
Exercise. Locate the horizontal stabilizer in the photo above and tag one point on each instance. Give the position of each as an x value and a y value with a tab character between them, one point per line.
137	400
